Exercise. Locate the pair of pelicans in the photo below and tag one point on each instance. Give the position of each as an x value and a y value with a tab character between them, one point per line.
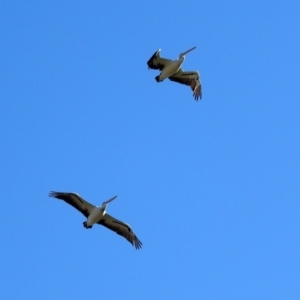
97	214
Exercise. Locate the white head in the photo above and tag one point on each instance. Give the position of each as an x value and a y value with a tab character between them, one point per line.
186	52
106	202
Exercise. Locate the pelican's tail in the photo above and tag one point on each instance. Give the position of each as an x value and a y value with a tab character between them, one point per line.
157	78
86	226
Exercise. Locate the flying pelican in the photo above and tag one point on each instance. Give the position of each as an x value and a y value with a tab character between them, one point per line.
97	214
172	69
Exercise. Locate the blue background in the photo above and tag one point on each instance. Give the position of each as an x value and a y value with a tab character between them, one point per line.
211	188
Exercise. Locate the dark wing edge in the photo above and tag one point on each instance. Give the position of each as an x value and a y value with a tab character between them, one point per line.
122	229
191	79
74	200
156	62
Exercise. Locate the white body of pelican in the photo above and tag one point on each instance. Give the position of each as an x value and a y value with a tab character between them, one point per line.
172	69
98	215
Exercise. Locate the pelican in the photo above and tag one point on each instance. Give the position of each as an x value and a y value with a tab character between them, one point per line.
172	69
98	215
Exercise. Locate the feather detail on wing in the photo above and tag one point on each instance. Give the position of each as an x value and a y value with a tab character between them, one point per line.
120	228
75	200
191	79
156	62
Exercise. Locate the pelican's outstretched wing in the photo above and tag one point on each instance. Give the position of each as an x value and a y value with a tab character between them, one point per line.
157	62
189	78
120	228
75	200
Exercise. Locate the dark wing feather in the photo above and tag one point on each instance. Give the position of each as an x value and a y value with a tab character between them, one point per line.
75	200
120	228
191	79
156	62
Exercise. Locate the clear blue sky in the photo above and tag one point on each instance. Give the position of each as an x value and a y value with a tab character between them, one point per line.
211	188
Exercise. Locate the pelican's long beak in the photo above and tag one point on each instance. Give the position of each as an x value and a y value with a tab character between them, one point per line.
186	52
111	199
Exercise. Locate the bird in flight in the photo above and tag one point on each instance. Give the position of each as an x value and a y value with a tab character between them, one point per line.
172	69
98	215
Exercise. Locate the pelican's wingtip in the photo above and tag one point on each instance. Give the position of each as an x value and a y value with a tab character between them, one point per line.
53	194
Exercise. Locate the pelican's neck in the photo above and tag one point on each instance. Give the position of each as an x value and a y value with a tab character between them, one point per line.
103	206
181	58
